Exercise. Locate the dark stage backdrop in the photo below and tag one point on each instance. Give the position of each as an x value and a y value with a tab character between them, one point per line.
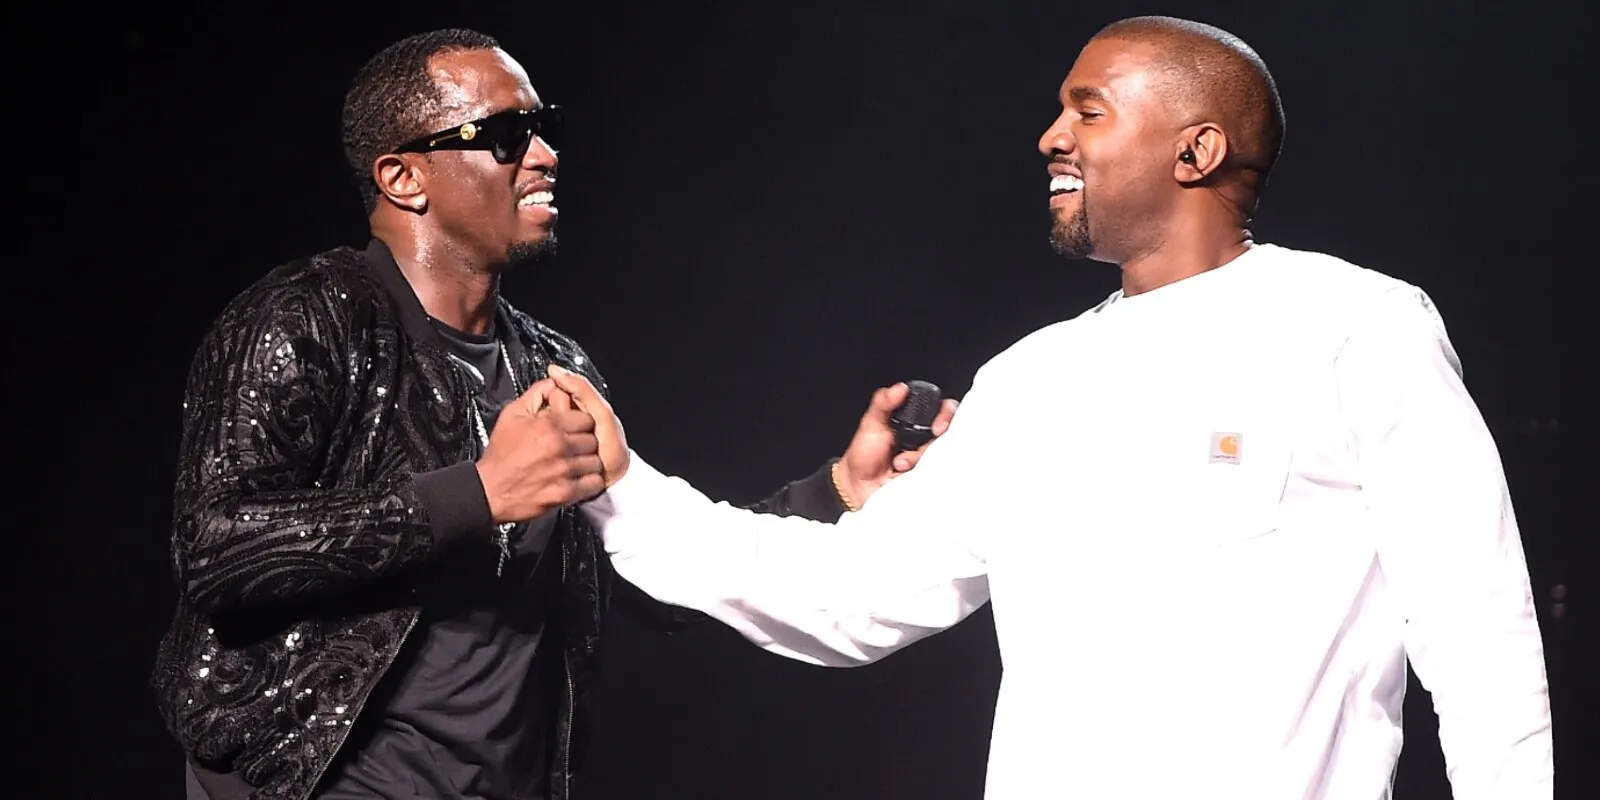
767	211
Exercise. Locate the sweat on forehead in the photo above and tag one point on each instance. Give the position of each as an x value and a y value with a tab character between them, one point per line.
469	83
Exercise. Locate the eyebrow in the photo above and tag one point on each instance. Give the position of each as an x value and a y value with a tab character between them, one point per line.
1083	94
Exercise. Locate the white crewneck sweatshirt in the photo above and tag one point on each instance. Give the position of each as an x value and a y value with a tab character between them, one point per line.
1214	520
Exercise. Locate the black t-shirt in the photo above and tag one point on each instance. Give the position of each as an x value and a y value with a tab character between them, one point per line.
466	711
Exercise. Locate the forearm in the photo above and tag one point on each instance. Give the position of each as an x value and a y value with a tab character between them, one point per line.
812	497
241	550
789	585
1484	667
263	514
1450	548
1454	558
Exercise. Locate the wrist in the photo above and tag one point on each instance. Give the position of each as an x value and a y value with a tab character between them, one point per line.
845	486
454	501
614	469
491	495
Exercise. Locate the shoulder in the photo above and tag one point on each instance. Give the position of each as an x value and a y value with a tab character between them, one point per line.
1360	308
311	299
1327	281
1023	356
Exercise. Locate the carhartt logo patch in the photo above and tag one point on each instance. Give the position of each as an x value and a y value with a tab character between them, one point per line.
1226	447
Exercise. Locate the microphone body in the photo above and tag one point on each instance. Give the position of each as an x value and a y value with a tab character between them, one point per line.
912	422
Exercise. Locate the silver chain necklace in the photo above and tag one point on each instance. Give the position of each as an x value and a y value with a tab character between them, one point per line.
502	535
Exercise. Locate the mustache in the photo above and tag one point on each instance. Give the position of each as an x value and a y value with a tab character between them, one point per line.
545	180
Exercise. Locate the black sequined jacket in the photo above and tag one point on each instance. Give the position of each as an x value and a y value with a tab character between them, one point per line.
326	453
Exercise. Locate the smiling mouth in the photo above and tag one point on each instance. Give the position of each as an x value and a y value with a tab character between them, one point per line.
1065	184
542	200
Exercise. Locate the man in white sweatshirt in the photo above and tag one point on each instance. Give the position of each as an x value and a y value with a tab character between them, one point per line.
1274	446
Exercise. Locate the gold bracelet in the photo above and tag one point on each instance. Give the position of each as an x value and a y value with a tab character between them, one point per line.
839	490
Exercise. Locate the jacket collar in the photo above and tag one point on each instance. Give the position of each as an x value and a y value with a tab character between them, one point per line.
415	320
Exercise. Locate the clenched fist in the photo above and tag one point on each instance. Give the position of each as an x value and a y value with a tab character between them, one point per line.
613	444
542	455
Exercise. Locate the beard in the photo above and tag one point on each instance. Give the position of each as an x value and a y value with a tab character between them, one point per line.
529	253
1070	237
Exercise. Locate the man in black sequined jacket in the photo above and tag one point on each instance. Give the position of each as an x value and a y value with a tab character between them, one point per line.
384	588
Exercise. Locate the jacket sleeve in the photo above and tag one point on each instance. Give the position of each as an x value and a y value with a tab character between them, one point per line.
812	497
277	393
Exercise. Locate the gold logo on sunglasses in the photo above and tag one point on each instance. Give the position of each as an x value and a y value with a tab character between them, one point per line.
468	131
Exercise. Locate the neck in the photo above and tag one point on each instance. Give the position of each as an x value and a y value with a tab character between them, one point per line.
1185	251
451	287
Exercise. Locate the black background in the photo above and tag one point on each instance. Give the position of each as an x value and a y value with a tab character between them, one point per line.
767	211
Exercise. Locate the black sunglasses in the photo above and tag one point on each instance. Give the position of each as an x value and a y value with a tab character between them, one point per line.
506	134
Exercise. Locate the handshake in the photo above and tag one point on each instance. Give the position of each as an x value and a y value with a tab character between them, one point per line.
556	445
560	443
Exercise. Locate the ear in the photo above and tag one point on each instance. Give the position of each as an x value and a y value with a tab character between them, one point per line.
401	181
1201	151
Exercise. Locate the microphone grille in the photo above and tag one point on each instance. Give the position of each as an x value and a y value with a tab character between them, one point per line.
921	405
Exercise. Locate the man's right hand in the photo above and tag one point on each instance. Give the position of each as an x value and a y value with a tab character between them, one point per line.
608	429
542	455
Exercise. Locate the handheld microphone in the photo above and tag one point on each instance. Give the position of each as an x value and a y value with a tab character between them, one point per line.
912	422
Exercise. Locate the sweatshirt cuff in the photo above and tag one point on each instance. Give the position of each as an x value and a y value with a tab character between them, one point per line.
813	497
455	501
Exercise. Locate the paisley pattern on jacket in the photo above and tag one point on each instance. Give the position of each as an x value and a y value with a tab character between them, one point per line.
315	397
308	407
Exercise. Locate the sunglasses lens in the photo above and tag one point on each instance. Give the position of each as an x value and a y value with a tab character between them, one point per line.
547	125
510	134
510	148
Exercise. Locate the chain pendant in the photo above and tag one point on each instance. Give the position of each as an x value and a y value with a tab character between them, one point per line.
502	534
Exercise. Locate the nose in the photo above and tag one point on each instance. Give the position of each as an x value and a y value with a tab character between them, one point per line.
1057	139
540	156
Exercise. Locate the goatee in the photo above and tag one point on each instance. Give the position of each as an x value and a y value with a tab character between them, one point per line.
522	254
1070	236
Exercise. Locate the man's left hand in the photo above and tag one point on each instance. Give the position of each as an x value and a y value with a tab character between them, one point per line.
871	461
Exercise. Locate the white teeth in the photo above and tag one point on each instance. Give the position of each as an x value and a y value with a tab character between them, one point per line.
1065	183
537	199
